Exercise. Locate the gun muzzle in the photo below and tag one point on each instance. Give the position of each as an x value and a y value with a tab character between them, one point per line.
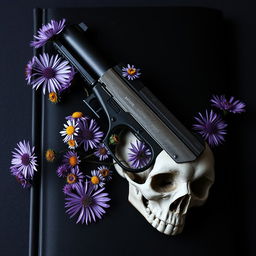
73	43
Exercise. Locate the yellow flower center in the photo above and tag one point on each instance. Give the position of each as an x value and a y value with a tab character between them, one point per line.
70	130
71	178
131	71
95	180
104	172
53	97
50	155
77	114
73	160
71	143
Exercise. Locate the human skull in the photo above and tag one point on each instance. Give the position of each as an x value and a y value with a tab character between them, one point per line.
164	192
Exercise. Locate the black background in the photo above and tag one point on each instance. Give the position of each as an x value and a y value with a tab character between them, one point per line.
237	203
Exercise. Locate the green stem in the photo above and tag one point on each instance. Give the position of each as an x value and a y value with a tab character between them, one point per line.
225	112
88	156
95	162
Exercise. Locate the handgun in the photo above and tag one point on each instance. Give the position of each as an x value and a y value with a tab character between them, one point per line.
128	104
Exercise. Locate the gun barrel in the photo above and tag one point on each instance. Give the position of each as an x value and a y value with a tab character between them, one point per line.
73	39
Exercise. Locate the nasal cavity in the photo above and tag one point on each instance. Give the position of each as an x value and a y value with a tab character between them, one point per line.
180	205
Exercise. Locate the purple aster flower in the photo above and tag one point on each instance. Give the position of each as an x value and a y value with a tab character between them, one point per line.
14	171
96	179
86	202
102	152
67	189
130	72
62	170
139	155
47	32
74	177
231	105
29	70
24	160
52	72
25	183
71	159
105	172
211	127
89	134
67	84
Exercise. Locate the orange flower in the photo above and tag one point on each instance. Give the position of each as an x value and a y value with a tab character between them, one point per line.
50	155
77	115
53	97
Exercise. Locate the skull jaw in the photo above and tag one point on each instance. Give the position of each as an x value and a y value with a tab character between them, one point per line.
140	203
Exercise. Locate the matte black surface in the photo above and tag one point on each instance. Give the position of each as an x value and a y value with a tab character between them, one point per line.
231	223
163	61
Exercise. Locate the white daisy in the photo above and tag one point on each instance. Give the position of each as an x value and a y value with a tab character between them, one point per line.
70	130
96	179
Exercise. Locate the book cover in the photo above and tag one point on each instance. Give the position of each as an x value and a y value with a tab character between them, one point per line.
179	53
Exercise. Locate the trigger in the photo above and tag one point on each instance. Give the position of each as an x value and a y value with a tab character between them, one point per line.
93	104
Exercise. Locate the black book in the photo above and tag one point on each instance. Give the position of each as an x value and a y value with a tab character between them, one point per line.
180	56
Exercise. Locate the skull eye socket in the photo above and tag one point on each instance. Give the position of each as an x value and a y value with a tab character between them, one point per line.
200	187
163	182
138	178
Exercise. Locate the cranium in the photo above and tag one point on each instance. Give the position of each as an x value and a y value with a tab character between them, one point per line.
164	192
